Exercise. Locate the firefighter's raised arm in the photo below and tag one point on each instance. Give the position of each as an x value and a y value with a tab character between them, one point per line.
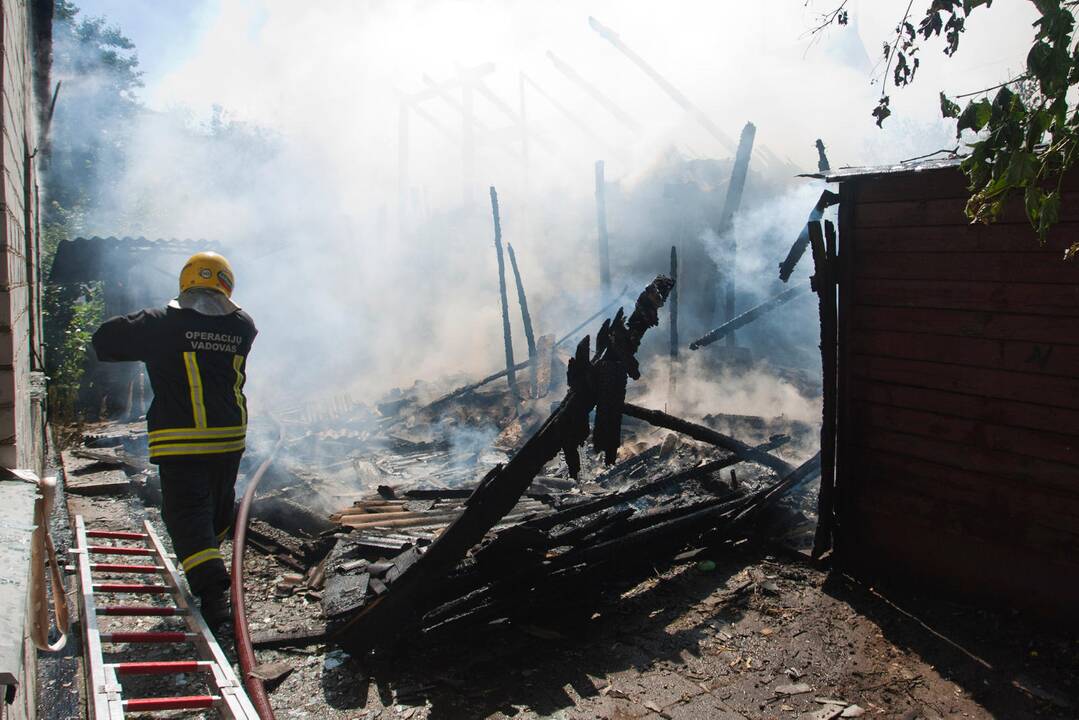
125	337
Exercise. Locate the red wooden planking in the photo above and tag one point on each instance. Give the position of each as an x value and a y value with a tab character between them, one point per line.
1056	330
1024	357
1033	471
994	267
971	520
949	182
912	550
187	702
975	407
944	211
1006	297
1050	390
1024	503
869	417
943	183
974	238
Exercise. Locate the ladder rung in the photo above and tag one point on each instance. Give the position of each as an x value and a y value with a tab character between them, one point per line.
125	568
163	667
116	534
168	636
118	550
137	610
130	588
188	702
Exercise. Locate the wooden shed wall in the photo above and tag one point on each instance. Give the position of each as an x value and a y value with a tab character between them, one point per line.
959	394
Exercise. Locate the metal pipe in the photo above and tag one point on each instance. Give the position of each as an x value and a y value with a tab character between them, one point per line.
255	688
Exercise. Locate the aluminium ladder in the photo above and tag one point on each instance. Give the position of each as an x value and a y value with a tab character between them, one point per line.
104	700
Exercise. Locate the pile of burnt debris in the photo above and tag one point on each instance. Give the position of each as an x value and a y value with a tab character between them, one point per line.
545	531
377	513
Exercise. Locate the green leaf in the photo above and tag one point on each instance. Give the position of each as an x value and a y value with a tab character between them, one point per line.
1033	198
1048	214
1022	168
881	111
974	117
948	108
1038	60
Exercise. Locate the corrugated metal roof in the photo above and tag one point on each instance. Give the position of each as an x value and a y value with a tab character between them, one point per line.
911	166
98	258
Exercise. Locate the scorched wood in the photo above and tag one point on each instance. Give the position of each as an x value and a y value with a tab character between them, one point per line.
394	611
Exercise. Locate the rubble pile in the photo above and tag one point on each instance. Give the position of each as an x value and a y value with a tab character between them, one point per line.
432	513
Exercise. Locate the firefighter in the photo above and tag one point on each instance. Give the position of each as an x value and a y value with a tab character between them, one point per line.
195	350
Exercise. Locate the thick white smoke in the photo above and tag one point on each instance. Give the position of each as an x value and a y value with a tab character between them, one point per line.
347	303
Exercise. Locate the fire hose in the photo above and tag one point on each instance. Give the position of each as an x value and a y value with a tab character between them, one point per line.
255	688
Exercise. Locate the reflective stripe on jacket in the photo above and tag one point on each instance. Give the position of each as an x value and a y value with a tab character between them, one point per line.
197	368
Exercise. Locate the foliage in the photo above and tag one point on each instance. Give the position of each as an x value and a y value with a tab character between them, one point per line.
86	308
96	108
1027	133
87	139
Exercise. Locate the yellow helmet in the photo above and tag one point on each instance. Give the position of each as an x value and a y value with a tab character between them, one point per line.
208	270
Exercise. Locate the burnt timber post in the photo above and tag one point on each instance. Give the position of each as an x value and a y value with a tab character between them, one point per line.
823	247
526	317
735	188
507	338
378	623
674	325
601	225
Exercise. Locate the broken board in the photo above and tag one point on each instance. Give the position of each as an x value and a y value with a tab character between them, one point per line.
86	476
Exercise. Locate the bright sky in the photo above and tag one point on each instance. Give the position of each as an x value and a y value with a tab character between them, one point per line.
257	57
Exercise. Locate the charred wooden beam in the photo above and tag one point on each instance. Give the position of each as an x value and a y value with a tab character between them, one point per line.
822	159
394	611
589	507
595	93
748	316
672	381
601	227
681	100
626	542
526	319
567	113
824	283
826	200
466	389
735	189
708	435
507	338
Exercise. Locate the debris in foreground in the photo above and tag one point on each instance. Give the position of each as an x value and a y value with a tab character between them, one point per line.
434	560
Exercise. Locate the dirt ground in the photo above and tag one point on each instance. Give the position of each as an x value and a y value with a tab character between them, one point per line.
755	633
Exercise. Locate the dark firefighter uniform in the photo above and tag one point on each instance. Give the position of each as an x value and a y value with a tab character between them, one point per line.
197	423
